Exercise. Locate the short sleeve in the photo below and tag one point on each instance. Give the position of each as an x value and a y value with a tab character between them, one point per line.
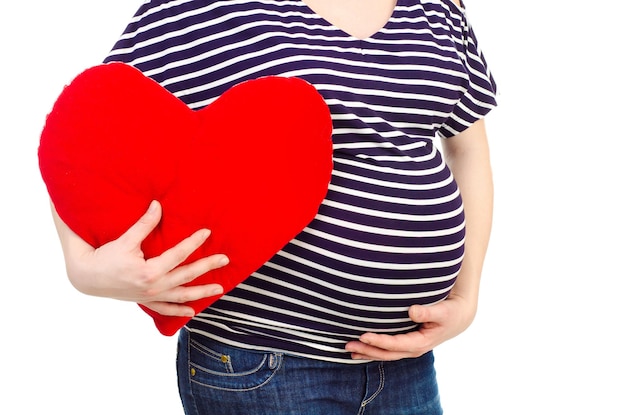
137	41
480	95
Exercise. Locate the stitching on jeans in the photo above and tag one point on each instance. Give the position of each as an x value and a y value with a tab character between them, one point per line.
280	359
381	385
187	375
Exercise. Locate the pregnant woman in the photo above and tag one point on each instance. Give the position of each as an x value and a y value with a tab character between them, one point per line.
342	320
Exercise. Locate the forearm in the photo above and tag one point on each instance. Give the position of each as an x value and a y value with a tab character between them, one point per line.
467	155
73	248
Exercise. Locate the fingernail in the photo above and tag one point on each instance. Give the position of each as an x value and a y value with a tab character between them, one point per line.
153	207
223	261
218	290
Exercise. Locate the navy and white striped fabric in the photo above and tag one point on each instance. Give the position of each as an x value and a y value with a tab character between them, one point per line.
391	230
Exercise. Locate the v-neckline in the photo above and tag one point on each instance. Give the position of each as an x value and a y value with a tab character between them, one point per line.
345	32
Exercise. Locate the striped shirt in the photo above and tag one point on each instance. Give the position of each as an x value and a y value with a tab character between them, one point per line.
390	232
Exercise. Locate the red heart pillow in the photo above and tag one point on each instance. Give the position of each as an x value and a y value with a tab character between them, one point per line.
253	166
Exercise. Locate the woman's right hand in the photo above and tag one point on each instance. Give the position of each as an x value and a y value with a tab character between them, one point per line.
119	269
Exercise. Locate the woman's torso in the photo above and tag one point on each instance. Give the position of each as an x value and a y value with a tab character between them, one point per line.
390	232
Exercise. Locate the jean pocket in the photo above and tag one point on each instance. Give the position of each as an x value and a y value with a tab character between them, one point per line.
218	366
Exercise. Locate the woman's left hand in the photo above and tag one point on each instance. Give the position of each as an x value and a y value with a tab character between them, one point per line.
439	323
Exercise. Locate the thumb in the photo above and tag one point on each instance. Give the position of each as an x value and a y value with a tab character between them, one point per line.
421	313
135	235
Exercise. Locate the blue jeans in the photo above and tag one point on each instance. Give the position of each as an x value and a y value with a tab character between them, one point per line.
214	378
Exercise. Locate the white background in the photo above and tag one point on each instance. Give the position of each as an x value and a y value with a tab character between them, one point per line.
548	337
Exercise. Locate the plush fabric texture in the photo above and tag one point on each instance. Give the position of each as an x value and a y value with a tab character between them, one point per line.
253	166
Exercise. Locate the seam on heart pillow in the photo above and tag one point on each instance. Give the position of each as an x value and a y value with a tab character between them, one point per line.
253	166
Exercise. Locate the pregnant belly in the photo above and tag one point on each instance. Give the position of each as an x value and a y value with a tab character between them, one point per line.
375	248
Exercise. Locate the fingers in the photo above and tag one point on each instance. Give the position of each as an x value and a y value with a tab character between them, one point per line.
187	273
176	255
397	343
166	277
174	302
142	228
380	355
172	288
372	346
437	323
170	309
380	347
182	295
